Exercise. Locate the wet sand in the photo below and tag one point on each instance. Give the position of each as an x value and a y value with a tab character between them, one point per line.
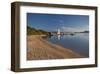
40	49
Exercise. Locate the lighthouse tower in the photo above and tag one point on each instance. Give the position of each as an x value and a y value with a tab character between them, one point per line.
58	32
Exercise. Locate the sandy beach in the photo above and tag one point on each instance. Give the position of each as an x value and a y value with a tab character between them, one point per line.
40	49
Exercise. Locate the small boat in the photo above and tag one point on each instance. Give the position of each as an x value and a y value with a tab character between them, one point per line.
71	34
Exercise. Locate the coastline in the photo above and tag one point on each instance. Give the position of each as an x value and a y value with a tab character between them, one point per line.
40	49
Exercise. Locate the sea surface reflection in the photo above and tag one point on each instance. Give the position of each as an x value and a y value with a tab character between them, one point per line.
78	42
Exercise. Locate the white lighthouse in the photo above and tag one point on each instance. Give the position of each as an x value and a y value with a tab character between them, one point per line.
58	32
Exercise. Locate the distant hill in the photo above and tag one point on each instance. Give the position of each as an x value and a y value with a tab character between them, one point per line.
33	31
82	32
85	32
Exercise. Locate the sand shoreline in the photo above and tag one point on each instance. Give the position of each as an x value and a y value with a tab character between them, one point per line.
40	49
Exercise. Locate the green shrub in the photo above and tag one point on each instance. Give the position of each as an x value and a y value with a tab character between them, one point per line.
33	31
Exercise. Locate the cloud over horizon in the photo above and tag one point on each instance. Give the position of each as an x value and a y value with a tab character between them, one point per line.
72	29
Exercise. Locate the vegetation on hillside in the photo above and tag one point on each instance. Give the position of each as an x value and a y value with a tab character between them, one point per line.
33	31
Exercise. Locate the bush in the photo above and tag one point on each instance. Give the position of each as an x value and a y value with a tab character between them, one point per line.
33	31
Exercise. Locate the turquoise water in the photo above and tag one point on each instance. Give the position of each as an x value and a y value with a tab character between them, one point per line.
78	42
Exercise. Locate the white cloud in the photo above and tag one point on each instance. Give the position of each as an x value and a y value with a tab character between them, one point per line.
71	29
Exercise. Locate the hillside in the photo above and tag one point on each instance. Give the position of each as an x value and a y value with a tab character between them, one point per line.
33	31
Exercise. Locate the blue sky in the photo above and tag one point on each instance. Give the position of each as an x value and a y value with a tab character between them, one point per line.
52	22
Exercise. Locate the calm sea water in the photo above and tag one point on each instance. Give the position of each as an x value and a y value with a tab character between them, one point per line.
78	42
